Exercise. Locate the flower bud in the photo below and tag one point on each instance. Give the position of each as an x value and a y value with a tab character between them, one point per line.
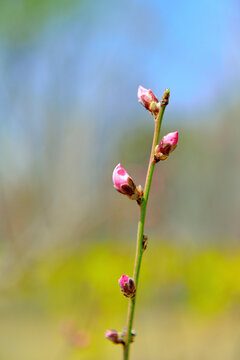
166	146
125	185
113	336
127	286
148	100
124	335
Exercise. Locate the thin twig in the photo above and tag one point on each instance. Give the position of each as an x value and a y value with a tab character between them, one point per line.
141	223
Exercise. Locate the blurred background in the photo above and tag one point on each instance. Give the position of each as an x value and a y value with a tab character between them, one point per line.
69	74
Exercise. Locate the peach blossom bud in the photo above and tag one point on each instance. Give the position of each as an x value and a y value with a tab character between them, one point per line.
127	286
125	185
166	146
124	335
148	100
113	336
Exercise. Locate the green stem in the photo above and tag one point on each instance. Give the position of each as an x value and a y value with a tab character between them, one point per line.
141	223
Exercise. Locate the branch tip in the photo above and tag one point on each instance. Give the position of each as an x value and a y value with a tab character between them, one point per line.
165	97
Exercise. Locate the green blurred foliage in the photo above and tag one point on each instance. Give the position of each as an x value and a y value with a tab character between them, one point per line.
20	20
76	292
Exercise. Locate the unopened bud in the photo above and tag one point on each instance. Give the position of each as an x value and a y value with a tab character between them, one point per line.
124	334
145	242
148	100
165	97
139	192
125	185
127	286
167	145
113	336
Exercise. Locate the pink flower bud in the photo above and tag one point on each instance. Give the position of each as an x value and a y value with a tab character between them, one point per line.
169	143
125	185
127	286
148	99
113	336
166	146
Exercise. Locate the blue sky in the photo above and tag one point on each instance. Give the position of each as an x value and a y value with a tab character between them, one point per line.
100	55
187	46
